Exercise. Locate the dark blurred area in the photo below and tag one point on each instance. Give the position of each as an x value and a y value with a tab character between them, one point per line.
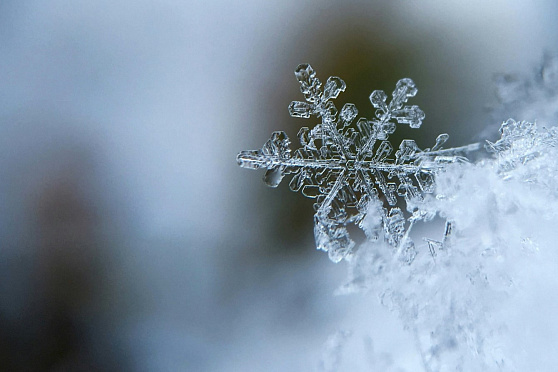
53	329
130	239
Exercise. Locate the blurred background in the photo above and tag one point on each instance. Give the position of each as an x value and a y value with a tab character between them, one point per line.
130	240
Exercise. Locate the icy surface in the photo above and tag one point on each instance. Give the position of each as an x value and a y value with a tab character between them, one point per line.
349	166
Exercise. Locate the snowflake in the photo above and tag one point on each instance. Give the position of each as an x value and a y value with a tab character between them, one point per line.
348	167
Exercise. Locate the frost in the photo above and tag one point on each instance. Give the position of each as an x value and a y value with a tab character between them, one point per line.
521	142
348	165
460	300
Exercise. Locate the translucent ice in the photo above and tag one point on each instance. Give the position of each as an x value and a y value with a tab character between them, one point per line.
346	166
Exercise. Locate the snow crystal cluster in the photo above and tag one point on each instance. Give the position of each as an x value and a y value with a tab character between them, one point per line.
470	306
466	292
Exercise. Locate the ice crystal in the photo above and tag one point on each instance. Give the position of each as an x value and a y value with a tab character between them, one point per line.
520	143
348	166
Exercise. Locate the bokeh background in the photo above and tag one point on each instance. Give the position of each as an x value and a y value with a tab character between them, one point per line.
129	238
